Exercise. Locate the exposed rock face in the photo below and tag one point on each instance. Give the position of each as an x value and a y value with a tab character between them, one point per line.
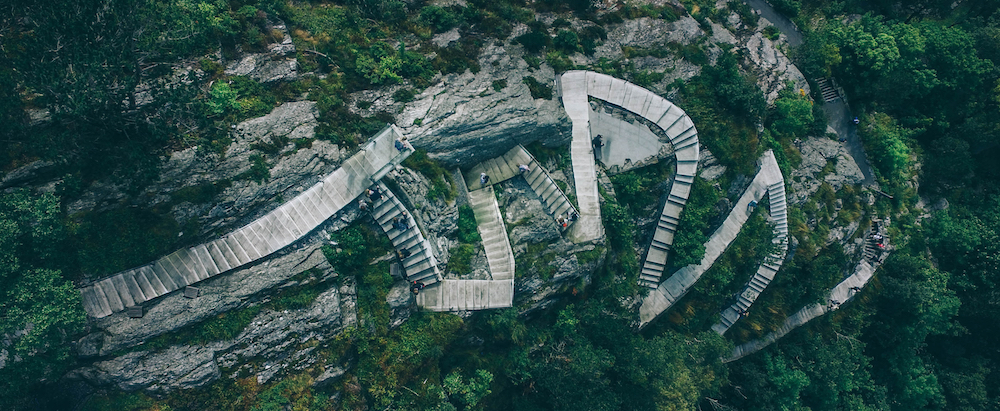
816	153
773	68
278	63
463	120
274	341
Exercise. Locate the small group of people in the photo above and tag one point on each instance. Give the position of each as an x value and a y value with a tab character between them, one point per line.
564	221
416	286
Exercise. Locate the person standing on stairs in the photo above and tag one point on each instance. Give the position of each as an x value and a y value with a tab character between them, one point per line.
523	168
416	286
401	144
483	179
404	220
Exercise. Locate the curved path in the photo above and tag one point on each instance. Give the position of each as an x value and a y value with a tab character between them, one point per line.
838	295
766	271
673	288
266	235
577	86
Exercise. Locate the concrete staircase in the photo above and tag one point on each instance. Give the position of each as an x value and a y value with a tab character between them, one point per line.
840	294
256	240
420	265
506	166
498	292
671	119
766	271
827	90
574	90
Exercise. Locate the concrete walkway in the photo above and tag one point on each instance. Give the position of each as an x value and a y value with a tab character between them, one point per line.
573	85
256	240
784	25
680	282
498	292
420	263
766	271
838	296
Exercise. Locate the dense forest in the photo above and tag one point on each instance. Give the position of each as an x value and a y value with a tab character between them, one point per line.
922	77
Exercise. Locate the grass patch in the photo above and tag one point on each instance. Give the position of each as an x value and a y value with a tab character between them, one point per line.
461	259
640	189
537	89
259	171
442	184
467	227
587	257
536	261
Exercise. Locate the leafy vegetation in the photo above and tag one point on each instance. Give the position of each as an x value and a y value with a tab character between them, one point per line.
442	184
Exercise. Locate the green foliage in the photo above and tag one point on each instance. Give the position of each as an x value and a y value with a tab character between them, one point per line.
499	85
440	19
790	8
469	393
640	189
536	262
460	262
693	228
534	41
442	184
259	171
537	90
403	95
886	141
567	41
793	116
558	61
468	231
39	309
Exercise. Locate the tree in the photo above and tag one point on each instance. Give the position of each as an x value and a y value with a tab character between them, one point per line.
39	309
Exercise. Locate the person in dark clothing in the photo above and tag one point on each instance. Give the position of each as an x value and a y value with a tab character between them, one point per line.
598	142
416	286
405	253
483	179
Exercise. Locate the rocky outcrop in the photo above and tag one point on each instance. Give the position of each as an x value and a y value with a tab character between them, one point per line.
772	68
816	153
462	120
278	63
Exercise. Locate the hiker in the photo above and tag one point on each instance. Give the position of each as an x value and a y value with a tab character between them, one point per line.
416	287
404	220
405	253
483	179
561	221
574	216
374	194
363	205
399	145
598	142
856	121
398	224
524	168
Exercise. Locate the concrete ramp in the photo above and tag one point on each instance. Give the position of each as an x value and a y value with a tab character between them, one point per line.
680	282
250	243
767	270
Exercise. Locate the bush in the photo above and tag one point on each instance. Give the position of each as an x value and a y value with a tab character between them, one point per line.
499	84
567	41
534	41
438	18
558	61
403	95
468	231
537	90
259	171
460	262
